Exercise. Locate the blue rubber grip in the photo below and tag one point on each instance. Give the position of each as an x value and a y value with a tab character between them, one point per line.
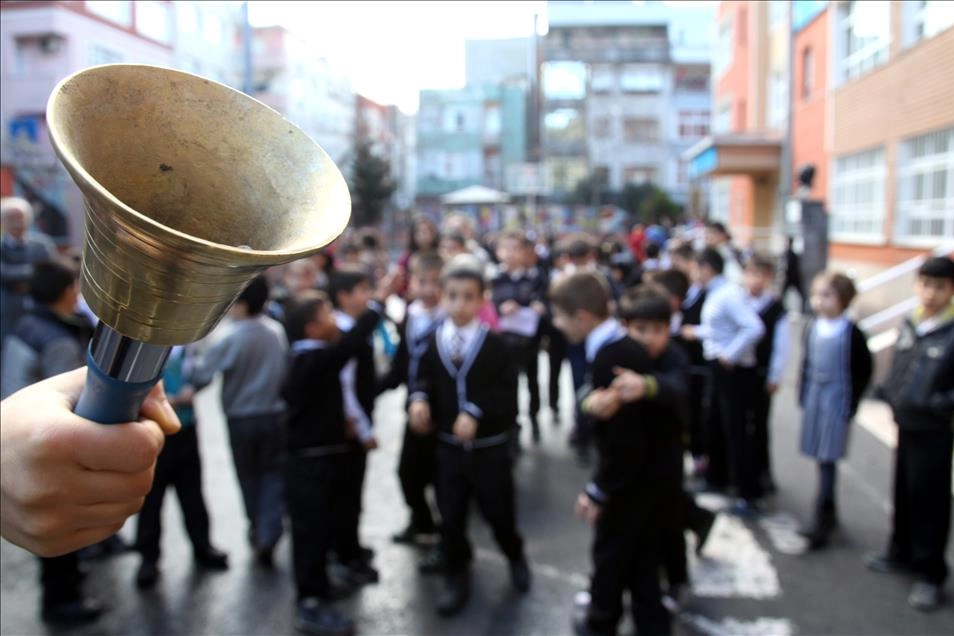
110	401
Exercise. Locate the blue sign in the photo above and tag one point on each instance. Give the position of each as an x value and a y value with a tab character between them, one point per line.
804	11
704	163
25	127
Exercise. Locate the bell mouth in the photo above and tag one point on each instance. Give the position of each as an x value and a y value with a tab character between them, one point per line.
173	152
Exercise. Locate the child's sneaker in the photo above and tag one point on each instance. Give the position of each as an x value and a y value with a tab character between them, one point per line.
320	618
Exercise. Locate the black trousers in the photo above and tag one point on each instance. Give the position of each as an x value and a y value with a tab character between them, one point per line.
732	454
556	354
485	476
315	503
347	545
625	557
698	401
178	465
761	411
922	501
525	355
417	469
60	579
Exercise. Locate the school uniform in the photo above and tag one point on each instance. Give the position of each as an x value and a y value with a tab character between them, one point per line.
524	287
731	329
358	379
771	354
698	371
920	390
417	466
469	370
319	452
632	464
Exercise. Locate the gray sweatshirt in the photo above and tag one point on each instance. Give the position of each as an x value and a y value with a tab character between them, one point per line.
252	357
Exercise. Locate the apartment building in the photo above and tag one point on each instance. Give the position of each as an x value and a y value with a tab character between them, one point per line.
293	79
469	136
40	44
869	104
624	91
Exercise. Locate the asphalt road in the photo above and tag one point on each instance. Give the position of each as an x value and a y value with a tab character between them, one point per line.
753	579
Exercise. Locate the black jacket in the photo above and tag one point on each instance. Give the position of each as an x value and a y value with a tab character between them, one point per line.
920	385
629	442
487	389
316	416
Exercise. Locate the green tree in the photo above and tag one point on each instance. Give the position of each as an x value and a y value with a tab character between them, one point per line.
657	206
633	196
371	186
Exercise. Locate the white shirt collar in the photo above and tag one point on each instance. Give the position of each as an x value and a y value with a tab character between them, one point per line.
606	332
307	344
344	321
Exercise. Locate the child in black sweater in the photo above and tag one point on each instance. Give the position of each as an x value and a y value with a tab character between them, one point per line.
624	501
320	438
466	391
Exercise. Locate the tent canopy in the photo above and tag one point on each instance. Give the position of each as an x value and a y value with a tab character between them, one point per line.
475	195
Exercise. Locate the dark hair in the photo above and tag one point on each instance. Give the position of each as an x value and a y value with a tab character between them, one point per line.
938	267
843	286
646	302
255	295
712	258
463	267
762	263
412	245
675	282
427	261
49	280
344	279
717	226
582	290
580	247
513	235
684	251
301	311
652	250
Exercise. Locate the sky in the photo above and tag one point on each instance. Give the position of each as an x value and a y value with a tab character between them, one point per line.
392	50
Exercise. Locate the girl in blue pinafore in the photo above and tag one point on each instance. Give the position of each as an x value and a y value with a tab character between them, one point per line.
836	368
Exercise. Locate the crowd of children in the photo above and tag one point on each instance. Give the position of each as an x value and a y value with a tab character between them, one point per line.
681	353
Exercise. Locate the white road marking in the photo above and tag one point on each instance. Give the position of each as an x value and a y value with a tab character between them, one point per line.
782	530
733	564
734	627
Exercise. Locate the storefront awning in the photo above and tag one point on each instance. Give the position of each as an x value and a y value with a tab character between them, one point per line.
734	154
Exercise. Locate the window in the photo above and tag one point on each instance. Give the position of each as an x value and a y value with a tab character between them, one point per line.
492	121
602	80
720	195
778	100
808	73
857	200
601	128
723	119
722	59
925	18
188	18
99	54
212	29
865	33
926	187
641	130
564	80
564	125
777	14
641	79
153	20
693	124
116	11
640	174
